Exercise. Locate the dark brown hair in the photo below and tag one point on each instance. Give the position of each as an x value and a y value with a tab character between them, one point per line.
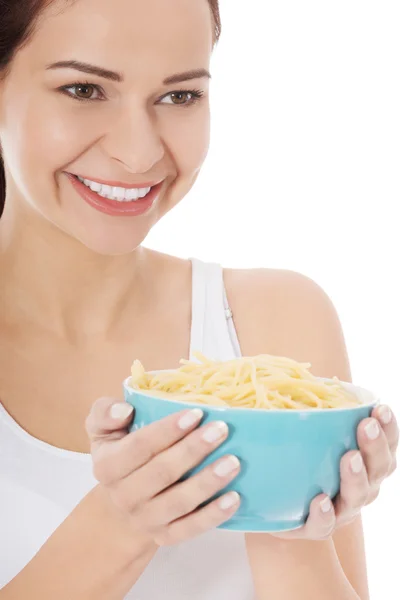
18	19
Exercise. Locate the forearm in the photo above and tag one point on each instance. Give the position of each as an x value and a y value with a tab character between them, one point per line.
91	556
305	570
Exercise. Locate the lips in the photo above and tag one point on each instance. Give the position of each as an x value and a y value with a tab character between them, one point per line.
114	207
119	183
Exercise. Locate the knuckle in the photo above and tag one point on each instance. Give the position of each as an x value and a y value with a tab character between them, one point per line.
373	495
142	446
363	498
360	495
192	448
182	505
162	471
164	538
380	473
207	483
359	500
178	502
199	524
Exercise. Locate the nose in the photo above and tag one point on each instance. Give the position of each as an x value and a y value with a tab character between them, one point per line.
134	140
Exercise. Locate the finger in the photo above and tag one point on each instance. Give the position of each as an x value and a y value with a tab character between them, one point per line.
389	425
169	466
354	487
201	521
184	498
138	447
321	520
320	524
108	417
374	449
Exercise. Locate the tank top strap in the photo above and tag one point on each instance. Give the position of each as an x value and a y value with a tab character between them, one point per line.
212	331
199	290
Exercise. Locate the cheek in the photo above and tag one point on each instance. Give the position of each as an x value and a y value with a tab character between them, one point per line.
53	138
41	139
188	140
188	146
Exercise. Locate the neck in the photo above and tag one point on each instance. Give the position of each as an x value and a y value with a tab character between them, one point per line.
54	282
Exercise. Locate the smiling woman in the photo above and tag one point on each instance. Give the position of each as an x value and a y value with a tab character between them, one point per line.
137	119
16	29
104	128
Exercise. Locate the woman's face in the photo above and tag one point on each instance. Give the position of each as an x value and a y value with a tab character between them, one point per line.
128	126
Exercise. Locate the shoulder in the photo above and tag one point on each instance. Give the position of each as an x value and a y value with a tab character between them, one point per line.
286	313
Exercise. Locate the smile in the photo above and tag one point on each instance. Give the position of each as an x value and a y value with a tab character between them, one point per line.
119	194
116	200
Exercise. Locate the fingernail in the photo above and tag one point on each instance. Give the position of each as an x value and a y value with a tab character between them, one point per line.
372	430
228	465
121	411
385	414
190	418
229	500
215	432
326	505
356	463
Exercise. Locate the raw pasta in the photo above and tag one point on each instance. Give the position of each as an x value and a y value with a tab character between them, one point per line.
263	381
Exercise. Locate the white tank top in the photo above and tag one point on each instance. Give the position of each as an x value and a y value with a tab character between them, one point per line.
41	484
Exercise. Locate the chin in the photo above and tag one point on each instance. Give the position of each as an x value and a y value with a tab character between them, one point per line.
111	243
102	233
113	237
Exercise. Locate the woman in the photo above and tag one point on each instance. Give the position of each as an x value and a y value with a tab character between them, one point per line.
104	126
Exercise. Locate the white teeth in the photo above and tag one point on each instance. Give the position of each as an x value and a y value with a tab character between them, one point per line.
133	195
105	191
96	187
116	193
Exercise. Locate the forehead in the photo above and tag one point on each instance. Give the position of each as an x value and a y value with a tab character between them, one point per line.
139	35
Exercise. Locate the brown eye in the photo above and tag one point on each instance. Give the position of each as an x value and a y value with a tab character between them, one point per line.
184	98
181	97
84	91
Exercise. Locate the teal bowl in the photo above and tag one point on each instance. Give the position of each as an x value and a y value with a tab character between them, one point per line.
287	456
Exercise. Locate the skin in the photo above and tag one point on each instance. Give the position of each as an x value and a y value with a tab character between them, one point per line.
83	295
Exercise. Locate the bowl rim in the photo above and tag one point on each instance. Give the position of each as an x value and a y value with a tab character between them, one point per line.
360	391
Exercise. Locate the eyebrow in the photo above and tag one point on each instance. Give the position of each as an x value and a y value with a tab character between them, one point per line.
115	76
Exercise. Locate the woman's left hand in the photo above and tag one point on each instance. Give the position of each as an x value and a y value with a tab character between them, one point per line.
361	475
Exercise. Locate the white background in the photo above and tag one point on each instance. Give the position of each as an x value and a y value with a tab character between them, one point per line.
303	174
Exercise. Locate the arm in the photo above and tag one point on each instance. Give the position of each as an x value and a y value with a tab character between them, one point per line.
350	548
91	556
292	316
305	570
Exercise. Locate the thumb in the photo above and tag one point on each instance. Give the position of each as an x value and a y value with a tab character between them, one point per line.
108	420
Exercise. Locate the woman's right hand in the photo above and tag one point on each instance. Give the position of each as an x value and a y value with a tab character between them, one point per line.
141	471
